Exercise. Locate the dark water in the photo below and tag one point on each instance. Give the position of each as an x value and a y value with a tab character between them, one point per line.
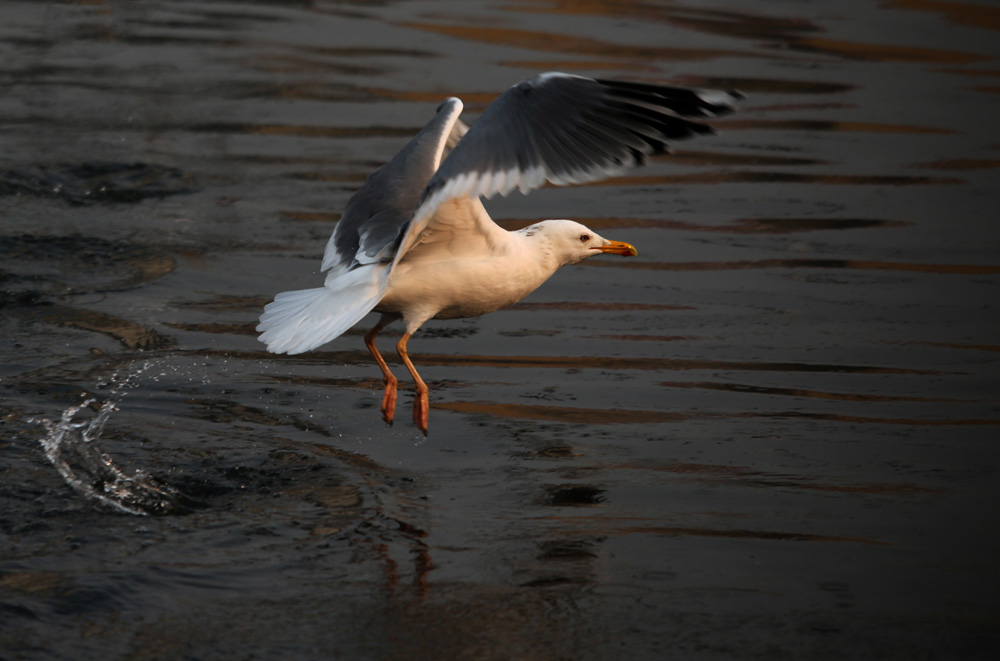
772	435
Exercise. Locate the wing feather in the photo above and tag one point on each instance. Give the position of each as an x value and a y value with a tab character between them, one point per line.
369	229
563	129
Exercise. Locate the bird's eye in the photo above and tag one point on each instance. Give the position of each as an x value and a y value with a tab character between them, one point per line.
584	238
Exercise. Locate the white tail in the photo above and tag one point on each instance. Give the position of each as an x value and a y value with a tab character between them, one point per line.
297	321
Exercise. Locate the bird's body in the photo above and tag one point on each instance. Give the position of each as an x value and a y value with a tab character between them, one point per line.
415	242
469	285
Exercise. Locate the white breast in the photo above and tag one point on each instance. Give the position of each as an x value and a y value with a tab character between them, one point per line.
422	289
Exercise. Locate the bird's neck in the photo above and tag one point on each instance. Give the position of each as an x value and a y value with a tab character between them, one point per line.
538	251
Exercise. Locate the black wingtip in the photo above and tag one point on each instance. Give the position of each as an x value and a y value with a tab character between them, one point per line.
683	101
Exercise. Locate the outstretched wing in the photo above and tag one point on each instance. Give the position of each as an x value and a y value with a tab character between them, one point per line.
369	228
563	129
362	245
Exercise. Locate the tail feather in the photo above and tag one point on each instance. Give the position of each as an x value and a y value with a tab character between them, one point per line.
297	321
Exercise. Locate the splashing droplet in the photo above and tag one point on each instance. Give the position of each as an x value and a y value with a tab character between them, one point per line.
73	449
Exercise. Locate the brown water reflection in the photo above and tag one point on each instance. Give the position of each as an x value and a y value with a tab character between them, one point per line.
944	269
130	334
825	125
770	436
964	13
774	178
752	477
561	43
791	33
737	226
605	362
597	416
618	528
800	392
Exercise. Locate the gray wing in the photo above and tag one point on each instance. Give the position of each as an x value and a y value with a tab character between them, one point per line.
564	129
571	129
370	227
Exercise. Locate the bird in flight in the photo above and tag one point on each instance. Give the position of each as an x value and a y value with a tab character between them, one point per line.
415	242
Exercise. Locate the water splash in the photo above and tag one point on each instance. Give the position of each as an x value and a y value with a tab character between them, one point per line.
73	449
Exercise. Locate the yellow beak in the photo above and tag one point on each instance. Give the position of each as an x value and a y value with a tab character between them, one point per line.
619	248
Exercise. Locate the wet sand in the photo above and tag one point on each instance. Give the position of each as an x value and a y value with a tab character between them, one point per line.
771	435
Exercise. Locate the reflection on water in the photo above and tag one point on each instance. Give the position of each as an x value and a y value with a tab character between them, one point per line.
958	269
95	183
771	436
598	416
737	226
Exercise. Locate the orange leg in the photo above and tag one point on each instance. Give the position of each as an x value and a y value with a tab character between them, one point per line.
420	403
389	398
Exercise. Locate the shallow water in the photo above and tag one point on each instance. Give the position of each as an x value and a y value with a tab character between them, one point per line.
771	435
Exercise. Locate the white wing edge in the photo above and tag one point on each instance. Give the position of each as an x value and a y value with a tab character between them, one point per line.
488	184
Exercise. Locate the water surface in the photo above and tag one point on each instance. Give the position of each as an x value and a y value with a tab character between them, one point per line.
771	435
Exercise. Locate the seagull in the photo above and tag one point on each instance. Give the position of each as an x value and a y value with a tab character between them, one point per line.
415	242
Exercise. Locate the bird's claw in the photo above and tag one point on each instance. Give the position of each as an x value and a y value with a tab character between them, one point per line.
389	401
421	408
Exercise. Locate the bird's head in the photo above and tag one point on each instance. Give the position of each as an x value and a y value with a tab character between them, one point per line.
571	242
